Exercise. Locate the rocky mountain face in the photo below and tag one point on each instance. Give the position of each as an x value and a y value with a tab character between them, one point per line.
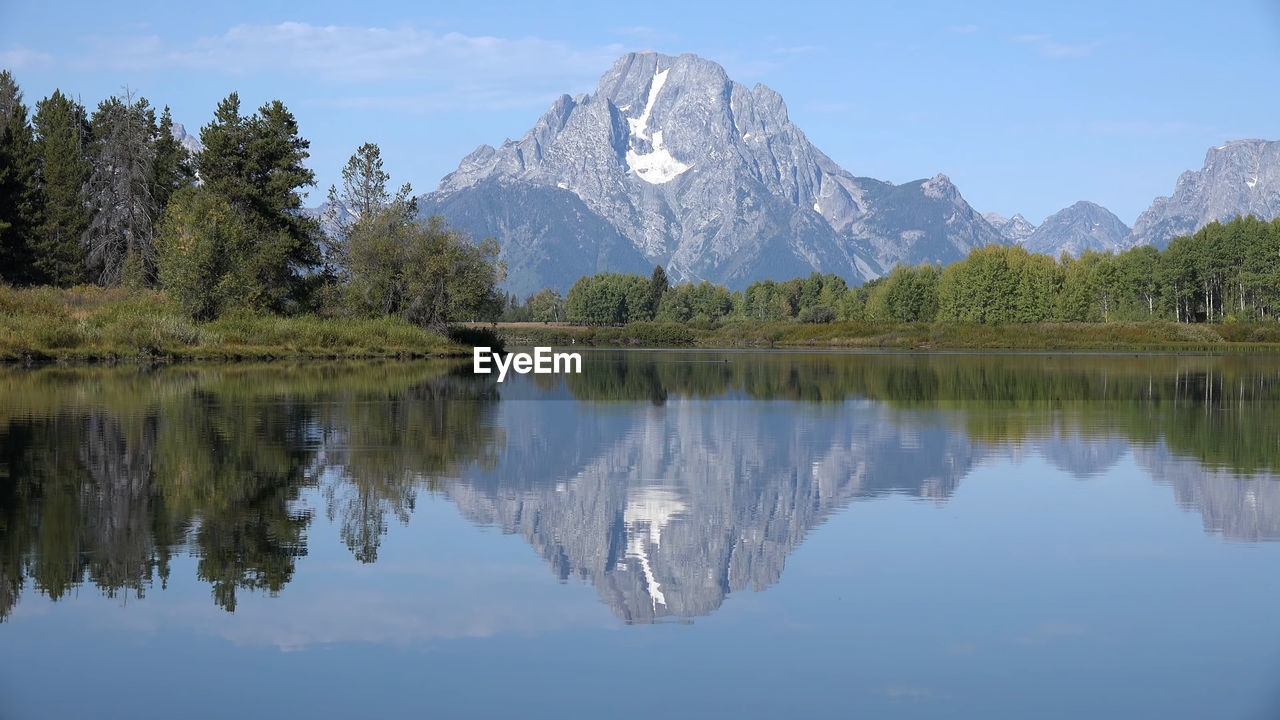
1239	178
185	139
1083	226
670	161
1014	229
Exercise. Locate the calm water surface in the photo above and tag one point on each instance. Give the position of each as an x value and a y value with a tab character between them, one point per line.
669	534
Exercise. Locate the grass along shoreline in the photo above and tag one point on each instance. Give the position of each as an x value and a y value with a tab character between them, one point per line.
92	324
1156	336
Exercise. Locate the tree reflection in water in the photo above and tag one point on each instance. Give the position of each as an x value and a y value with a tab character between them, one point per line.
668	481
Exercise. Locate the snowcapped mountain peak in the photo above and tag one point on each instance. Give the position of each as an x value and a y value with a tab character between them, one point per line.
671	162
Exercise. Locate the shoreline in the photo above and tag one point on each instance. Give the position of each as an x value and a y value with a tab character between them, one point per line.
1146	338
91	326
1140	337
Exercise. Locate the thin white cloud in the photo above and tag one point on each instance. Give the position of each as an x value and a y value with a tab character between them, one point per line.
1048	47
461	98
21	58
473	67
362	54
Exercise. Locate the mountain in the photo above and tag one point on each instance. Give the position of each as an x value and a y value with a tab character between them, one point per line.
190	142
1083	226
332	216
671	162
1239	178
1014	229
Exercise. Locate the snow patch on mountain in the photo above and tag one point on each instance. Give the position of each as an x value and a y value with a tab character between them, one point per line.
657	166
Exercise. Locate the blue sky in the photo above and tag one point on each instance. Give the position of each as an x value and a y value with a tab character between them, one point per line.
1029	107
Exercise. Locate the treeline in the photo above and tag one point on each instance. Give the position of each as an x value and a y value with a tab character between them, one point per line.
1222	273
112	198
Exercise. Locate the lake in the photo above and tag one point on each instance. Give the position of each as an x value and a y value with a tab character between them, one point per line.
668	534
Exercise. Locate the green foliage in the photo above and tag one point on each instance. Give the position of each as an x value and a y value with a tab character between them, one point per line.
391	264
477	337
92	322
202	249
817	314
62	146
609	299
647	334
763	301
1231	268
172	164
374	253
254	164
19	186
657	288
685	302
546	306
906	295
853	304
364	183
983	287
447	278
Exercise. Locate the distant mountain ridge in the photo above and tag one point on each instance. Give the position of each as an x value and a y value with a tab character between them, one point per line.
1241	177
1014	229
671	162
186	140
1083	226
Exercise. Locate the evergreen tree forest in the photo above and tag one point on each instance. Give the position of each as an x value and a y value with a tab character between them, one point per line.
109	197
1224	273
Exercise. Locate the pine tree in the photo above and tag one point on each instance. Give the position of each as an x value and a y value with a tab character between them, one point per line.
173	168
121	193
19	191
254	164
61	134
364	182
657	287
364	195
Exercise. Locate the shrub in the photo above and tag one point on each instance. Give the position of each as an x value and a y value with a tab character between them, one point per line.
818	314
477	337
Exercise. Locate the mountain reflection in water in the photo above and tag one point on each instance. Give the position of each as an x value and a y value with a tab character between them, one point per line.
668	480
